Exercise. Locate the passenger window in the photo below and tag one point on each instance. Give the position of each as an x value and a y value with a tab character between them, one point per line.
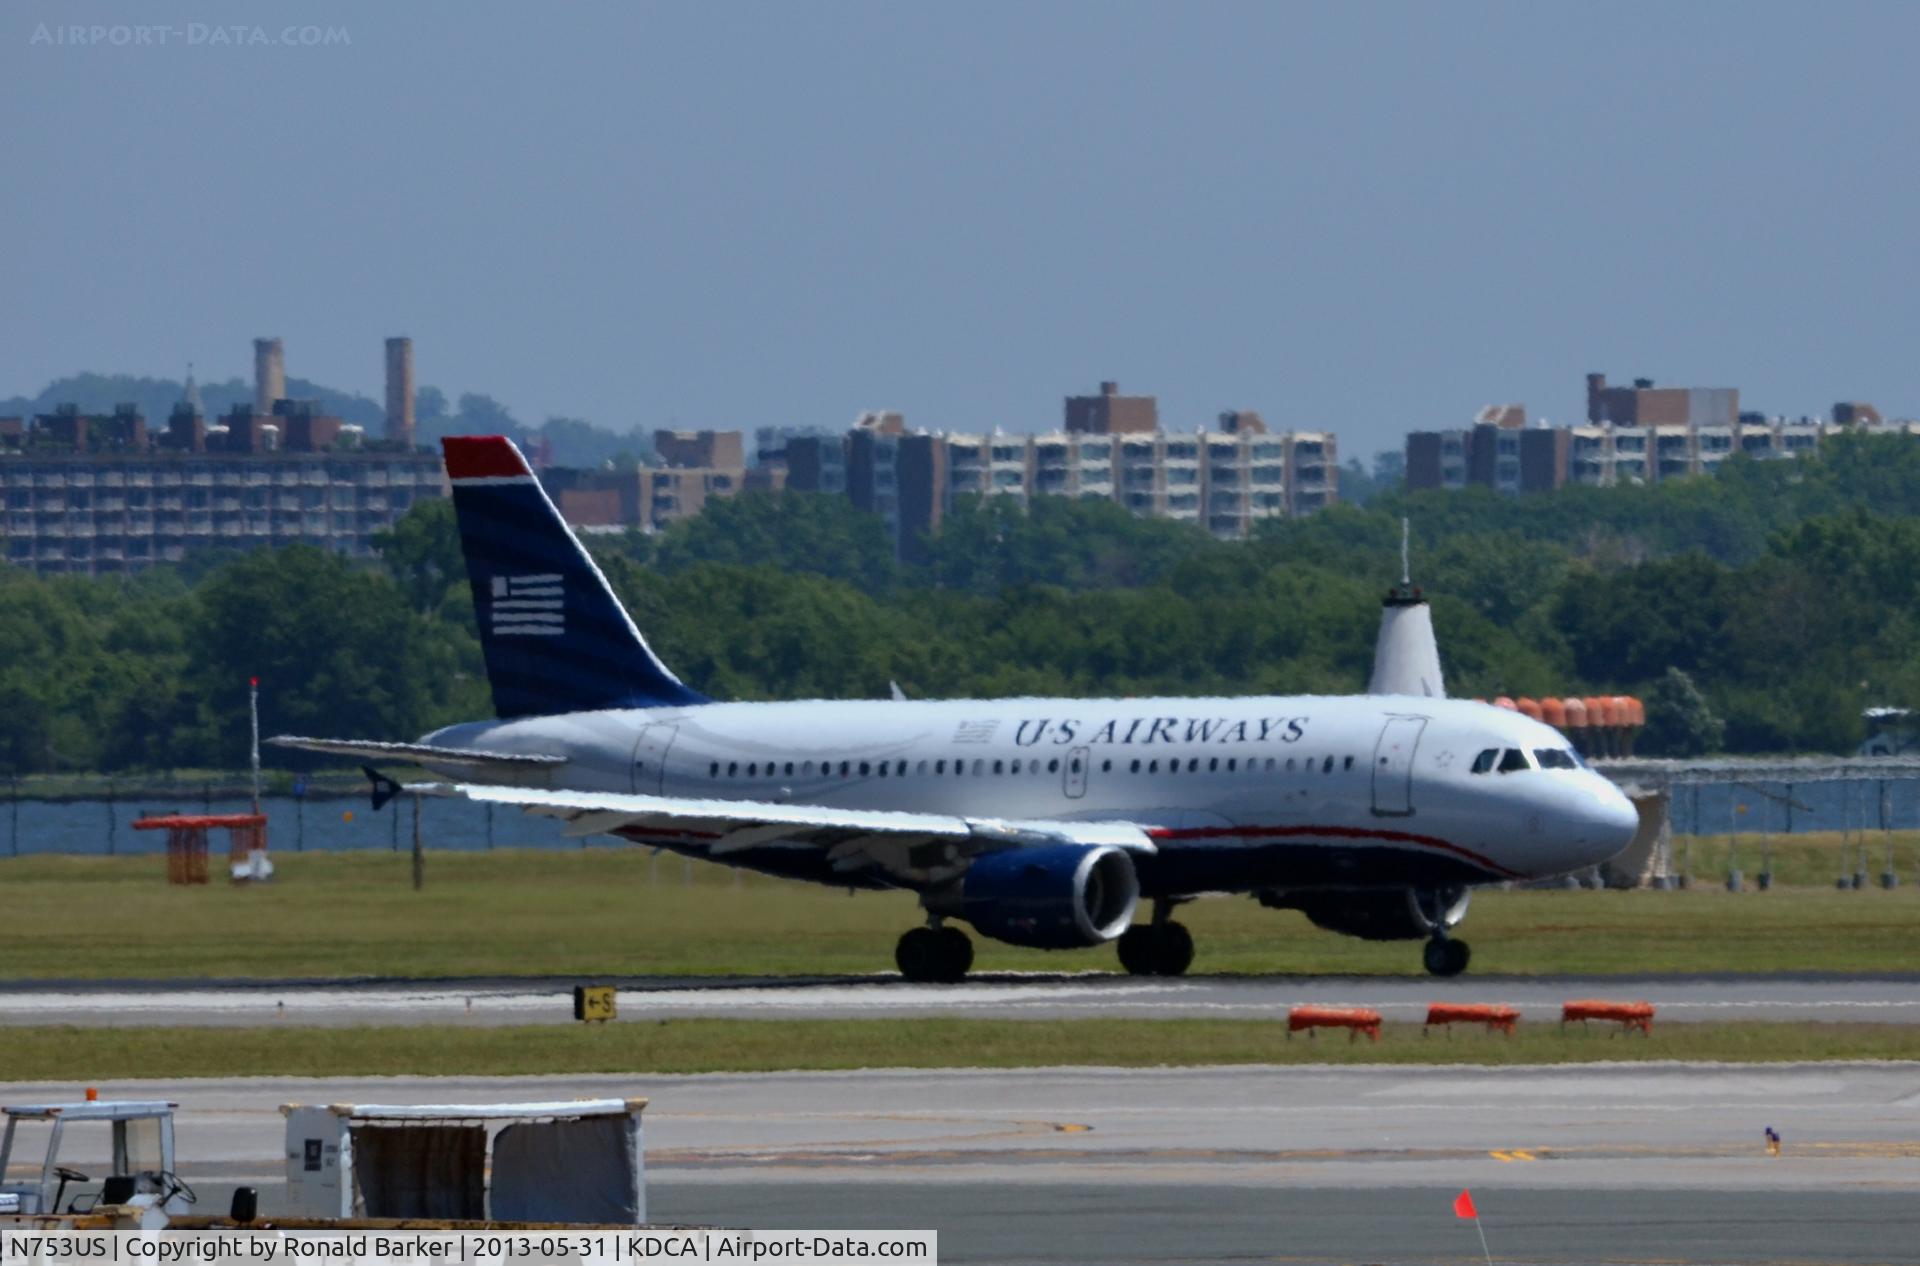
733	769
1289	764
1106	766
713	771
979	766
921	768
1153	766
789	769
1513	760
1135	767
807	768
940	767
1270	763
1193	765
865	768
843	769
1233	764
1016	765
1348	763
1486	760
1213	764
1328	767
883	769
753	770
999	767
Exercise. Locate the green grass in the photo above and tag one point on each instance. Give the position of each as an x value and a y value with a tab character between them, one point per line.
684	1046
605	912
1814	859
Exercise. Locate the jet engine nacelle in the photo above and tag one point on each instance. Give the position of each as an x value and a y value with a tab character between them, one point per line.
1396	914
1058	896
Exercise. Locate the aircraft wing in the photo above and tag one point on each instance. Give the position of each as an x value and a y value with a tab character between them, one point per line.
417	753
855	839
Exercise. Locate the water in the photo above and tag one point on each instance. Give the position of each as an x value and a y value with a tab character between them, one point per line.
1779	809
329	825
104	826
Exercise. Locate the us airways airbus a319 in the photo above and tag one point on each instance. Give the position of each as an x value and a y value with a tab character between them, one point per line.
1037	822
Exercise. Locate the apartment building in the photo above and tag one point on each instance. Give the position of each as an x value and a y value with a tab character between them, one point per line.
699	466
1110	447
1637	434
92	495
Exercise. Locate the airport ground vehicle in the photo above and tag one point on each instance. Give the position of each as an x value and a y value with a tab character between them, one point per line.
133	1137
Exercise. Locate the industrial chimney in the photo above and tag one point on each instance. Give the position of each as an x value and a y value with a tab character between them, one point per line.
400	390
269	374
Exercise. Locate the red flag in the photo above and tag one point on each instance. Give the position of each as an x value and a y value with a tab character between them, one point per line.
1463	1206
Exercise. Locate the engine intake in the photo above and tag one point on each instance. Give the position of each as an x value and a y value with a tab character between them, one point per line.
1059	896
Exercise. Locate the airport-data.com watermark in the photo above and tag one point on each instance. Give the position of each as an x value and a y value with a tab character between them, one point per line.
187	35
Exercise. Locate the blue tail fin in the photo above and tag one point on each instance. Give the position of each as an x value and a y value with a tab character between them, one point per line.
555	638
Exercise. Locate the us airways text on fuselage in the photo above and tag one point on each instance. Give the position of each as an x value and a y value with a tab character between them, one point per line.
1144	731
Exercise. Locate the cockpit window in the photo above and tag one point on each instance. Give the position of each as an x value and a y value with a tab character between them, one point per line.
1485	761
1555	758
1513	760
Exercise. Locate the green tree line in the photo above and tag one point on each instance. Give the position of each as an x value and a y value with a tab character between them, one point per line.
1784	591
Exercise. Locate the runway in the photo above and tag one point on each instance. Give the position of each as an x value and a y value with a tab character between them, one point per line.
1659	1163
1893	999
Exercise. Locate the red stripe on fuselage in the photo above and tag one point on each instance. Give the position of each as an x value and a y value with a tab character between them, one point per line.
1328	832
482	457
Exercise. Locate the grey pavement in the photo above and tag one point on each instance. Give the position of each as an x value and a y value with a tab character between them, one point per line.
1654	1163
1887	999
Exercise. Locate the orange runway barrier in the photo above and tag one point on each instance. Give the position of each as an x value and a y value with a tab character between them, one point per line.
1494	1017
187	840
1629	1015
1356	1020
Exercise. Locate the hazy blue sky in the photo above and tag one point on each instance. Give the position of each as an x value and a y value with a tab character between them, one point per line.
1369	217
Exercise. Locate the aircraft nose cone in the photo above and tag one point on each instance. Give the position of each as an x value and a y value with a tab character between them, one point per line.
1607	823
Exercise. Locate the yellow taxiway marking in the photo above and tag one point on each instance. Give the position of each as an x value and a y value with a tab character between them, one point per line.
1515	1155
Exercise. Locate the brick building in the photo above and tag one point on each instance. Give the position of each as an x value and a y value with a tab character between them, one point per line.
1110	447
1637	434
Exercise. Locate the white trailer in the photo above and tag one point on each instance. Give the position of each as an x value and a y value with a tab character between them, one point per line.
574	1161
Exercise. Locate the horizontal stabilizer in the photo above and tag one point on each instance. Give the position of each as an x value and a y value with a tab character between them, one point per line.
417	753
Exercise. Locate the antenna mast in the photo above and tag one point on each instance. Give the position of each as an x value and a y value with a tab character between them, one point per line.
1406	567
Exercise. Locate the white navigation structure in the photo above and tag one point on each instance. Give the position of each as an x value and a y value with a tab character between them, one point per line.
1406	660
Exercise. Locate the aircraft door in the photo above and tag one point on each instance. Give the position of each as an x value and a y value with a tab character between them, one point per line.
650	750
1393	766
1074	772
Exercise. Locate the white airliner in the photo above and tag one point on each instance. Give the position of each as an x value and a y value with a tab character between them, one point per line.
1039	822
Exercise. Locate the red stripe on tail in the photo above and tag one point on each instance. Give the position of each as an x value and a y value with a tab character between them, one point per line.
482	457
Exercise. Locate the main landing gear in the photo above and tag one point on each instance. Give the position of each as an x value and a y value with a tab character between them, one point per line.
935	954
1445	956
1159	948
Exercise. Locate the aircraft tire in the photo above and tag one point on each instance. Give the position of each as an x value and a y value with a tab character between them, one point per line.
1136	950
1172	949
1446	957
918	954
954	955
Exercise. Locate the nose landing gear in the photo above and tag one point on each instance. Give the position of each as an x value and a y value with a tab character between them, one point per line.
935	954
1445	956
